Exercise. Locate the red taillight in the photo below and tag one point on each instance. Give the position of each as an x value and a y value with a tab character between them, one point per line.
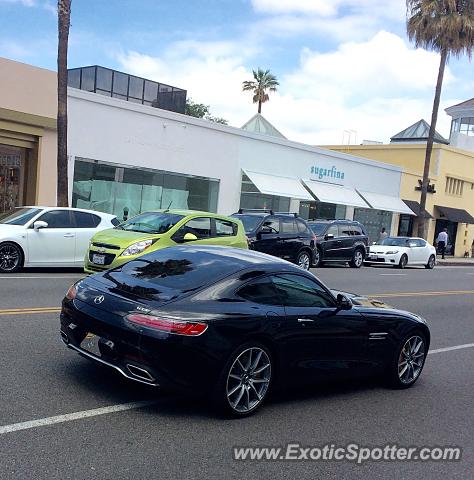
167	324
71	293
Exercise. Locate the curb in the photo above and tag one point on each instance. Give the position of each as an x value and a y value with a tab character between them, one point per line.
455	264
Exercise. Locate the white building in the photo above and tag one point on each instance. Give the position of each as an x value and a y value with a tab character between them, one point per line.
128	156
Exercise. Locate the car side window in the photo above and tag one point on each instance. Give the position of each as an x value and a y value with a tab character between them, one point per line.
300	291
201	227
273	223
57	219
288	225
345	230
260	291
419	243
302	228
85	220
333	230
356	230
225	228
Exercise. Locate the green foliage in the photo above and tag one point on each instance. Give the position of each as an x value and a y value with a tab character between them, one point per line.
262	82
199	110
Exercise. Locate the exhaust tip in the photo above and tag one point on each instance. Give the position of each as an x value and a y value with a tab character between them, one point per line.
140	373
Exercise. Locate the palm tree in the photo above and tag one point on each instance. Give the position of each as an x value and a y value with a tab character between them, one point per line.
446	27
263	81
64	16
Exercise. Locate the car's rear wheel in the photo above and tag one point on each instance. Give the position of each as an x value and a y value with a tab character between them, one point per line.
403	261
409	360
431	262
11	257
357	258
244	381
304	260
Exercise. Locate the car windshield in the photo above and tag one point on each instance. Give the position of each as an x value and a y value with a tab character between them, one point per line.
318	228
151	222
250	221
394	241
18	216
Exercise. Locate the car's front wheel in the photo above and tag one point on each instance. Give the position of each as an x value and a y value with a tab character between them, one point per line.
244	381
403	261
304	260
11	257
317	258
431	262
409	360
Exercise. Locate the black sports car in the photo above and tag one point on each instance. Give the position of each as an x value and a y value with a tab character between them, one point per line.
232	323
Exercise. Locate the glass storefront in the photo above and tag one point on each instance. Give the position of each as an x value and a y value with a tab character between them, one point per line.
251	198
322	211
125	191
12	165
374	221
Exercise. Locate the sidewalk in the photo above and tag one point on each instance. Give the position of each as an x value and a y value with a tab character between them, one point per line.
455	261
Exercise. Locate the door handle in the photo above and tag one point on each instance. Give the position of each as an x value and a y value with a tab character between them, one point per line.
68	235
305	320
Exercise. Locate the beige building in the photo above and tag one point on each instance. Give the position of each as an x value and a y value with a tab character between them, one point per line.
28	107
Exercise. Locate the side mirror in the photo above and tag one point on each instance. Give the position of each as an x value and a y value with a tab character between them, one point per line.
343	303
328	236
39	224
189	237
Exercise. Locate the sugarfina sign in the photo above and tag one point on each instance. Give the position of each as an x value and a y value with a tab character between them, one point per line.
327	173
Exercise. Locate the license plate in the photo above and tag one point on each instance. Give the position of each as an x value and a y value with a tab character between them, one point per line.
91	344
98	259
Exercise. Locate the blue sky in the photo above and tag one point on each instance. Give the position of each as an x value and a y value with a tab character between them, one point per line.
345	67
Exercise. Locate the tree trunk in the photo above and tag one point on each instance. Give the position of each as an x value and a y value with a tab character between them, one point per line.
423	220
64	16
259	106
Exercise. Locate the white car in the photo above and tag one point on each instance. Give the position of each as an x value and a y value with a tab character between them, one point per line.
402	251
48	236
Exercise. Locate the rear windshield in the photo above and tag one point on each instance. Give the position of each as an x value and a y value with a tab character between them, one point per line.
151	222
19	216
394	241
318	228
250	222
172	272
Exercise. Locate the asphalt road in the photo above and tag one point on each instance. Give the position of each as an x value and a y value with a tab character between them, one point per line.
180	438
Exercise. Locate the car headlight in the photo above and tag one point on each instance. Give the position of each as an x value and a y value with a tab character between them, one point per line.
136	248
392	252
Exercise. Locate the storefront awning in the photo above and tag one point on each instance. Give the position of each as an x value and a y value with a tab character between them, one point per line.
456	215
386	202
275	185
415	208
328	193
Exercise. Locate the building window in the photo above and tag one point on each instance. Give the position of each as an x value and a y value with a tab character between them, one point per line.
322	211
467	126
130	191
373	221
454	186
251	198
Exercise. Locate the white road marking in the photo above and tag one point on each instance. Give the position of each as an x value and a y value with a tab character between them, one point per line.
449	349
392	274
15	427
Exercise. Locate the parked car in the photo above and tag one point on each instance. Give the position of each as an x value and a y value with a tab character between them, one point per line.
48	236
283	235
152	231
232	323
402	251
339	241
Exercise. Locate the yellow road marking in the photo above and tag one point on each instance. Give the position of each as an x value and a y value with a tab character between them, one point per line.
421	294
29	310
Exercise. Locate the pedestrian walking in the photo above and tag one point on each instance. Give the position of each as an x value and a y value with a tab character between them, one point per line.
383	235
442	241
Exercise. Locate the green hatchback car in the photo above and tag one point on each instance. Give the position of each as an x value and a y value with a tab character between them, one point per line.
152	231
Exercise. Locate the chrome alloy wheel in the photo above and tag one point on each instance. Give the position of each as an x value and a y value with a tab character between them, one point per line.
9	258
304	261
358	258
248	380
411	359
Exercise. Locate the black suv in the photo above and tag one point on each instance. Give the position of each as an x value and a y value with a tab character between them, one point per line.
283	235
339	241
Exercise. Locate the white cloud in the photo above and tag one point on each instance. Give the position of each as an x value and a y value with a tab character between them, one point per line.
376	87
